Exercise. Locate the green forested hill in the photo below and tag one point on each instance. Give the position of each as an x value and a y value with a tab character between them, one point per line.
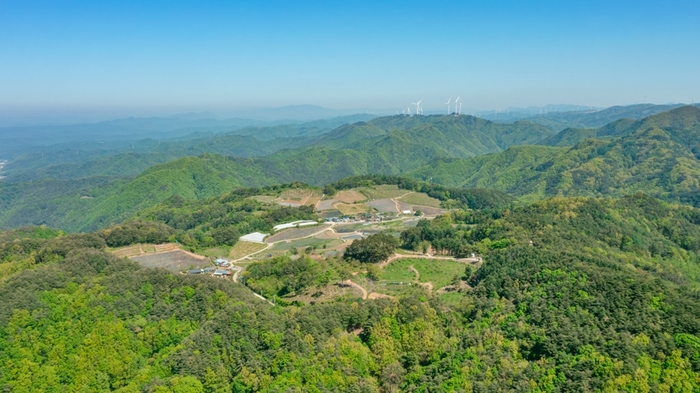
657	155
388	145
592	119
575	294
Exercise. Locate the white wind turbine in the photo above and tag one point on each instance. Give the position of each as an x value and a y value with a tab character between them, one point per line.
460	105
418	110
408	108
448	105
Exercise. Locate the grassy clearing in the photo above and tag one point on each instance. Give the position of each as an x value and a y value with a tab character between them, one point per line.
241	249
350	210
437	272
299	193
303	243
265	198
349	196
398	290
175	261
382	192
397	271
452	298
216	252
420	198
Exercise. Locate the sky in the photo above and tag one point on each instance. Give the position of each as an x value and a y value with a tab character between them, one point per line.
158	57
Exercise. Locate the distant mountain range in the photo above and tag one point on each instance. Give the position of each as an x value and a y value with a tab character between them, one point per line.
658	155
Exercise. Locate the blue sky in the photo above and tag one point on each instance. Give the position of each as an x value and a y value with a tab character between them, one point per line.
180	56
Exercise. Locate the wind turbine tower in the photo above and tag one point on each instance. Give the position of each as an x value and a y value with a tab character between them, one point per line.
418	110
456	105
448	105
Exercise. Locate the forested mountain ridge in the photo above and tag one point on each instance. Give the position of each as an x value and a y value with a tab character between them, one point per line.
657	155
674	121
388	145
85	158
575	294
558	121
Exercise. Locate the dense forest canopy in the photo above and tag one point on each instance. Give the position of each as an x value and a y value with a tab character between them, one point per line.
575	294
571	267
653	154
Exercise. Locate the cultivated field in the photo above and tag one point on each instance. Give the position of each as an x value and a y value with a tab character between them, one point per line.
243	248
429	211
420	198
326	205
383	205
351	210
382	192
295	233
141	249
175	261
299	196
349	196
301	244
403	205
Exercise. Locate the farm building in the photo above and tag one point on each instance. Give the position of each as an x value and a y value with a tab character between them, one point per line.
195	271
255	237
294	224
222	273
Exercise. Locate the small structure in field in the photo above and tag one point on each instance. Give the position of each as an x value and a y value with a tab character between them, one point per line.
222	273
255	237
195	271
294	224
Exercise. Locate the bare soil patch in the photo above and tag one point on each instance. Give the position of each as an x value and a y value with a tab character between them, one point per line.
349	196
296	233
420	198
326	205
429	211
174	261
350	210
383	205
383	191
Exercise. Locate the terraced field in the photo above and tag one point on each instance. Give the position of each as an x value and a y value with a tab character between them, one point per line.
351	210
295	233
382	192
421	199
243	248
383	205
349	196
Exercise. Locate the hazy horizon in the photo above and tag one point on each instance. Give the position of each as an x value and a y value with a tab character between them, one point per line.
84	61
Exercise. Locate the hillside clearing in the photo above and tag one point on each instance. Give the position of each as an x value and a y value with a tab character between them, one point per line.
349	196
243	248
351	210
